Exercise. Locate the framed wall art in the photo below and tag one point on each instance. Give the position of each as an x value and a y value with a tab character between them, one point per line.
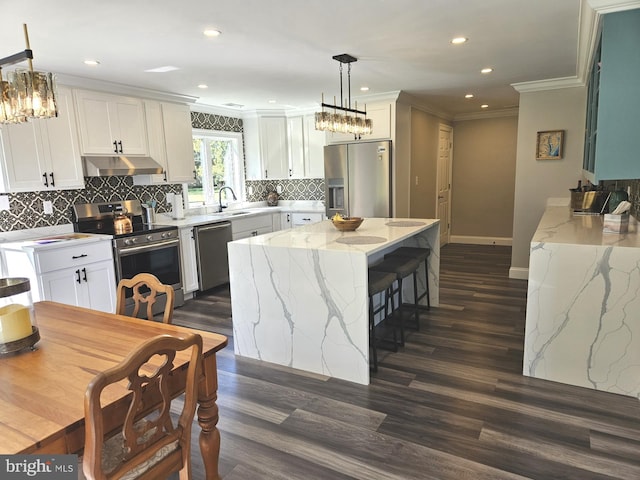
549	145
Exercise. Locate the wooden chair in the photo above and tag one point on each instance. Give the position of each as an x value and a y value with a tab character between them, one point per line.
154	285
147	445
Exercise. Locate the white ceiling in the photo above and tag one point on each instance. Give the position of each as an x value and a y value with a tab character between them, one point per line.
281	49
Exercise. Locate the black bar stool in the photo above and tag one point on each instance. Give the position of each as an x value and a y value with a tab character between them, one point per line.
401	267
379	282
422	255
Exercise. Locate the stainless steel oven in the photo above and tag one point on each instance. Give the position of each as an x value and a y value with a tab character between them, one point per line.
148	248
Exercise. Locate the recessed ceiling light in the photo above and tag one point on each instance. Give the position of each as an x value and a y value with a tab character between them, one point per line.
486	70
484	106
202	85
364	89
92	63
459	40
165	69
469	95
272	101
212	32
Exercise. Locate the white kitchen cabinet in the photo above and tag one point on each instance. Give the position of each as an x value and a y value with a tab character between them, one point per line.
252	226
314	142
296	146
273	147
43	154
189	261
381	115
170	142
305	218
110	124
82	274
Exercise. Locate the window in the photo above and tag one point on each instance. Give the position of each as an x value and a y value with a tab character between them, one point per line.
219	163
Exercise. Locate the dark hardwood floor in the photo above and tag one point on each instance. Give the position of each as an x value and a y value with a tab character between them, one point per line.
452	404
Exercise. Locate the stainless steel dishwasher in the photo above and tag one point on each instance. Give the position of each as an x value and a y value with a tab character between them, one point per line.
211	254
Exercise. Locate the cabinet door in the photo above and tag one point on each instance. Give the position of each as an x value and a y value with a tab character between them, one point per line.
64	286
285	220
155	136
179	142
99	284
189	263
61	146
24	163
127	124
94	126
314	142
295	137
273	146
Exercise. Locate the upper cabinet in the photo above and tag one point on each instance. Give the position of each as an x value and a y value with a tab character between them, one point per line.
283	147
170	141
110	124
43	154
617	142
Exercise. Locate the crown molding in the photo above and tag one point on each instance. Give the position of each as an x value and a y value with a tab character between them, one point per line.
121	89
548	84
505	112
610	6
415	102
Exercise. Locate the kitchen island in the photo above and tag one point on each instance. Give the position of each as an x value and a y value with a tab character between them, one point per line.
299	297
583	307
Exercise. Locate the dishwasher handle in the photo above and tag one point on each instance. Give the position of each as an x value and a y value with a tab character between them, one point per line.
214	226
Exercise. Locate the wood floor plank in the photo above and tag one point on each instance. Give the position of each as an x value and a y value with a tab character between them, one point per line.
451	404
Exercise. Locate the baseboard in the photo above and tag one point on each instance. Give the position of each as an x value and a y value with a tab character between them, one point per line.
519	273
506	241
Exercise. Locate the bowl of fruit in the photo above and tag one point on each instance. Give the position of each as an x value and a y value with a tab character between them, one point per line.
346	224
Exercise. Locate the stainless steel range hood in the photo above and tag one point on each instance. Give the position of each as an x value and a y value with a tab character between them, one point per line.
114	166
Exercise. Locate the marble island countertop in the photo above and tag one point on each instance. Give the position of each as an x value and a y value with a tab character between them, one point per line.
373	235
560	225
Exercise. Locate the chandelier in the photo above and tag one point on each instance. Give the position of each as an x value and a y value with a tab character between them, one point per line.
26	94
353	120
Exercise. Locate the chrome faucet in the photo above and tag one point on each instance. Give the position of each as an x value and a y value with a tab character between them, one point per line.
220	207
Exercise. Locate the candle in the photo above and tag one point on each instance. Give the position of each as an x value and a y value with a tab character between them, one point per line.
15	323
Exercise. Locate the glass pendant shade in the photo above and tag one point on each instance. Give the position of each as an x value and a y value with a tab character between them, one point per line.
34	94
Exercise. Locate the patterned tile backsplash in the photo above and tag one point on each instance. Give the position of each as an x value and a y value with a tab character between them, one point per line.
26	209
297	189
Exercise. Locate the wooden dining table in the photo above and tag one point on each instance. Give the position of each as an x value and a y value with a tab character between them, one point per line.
42	391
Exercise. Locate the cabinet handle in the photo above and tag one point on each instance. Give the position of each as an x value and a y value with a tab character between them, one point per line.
306	219
290	172
265	174
84	274
115	146
78	274
288	217
53	183
165	176
120	143
75	257
46	182
254	233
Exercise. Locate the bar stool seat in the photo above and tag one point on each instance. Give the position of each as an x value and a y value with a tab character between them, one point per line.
379	282
422	255
401	267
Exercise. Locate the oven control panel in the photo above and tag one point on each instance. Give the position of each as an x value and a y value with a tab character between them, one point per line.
145	239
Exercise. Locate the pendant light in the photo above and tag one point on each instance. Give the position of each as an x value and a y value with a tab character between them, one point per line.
26	94
357	124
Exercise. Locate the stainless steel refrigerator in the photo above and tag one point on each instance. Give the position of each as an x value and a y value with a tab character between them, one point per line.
357	179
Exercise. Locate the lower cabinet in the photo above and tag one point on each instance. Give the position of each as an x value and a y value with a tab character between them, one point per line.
251	226
84	286
189	261
81	275
299	219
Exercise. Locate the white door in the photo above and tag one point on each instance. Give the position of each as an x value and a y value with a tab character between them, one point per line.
445	150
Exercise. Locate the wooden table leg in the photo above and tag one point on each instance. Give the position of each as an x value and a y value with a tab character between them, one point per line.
208	418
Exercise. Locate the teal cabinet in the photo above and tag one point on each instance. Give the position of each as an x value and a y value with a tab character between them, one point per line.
617	149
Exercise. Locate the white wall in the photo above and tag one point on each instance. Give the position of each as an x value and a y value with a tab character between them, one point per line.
537	180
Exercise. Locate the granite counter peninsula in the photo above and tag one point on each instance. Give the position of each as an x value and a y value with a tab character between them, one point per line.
299	297
583	304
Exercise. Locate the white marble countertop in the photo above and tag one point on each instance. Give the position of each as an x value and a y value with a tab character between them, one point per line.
560	225
41	243
374	232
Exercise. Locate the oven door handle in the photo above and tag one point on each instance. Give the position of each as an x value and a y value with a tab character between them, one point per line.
142	248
